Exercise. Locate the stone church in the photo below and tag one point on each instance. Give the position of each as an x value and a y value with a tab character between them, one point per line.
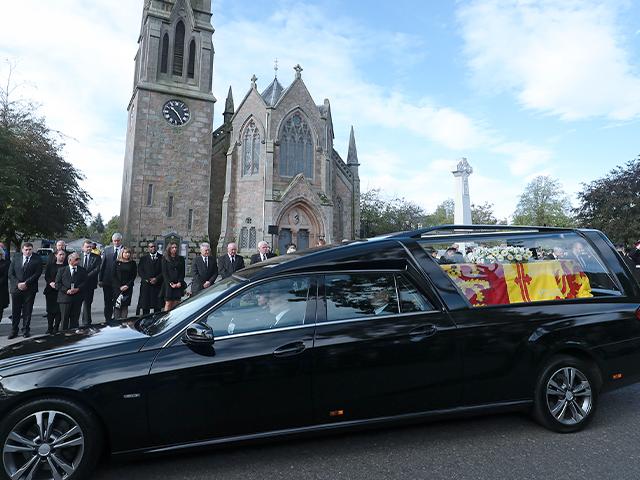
270	171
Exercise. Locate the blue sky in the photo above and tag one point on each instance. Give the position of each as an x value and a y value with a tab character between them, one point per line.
520	88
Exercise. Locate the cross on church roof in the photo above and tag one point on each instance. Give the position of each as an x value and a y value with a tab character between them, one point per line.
298	69
254	79
275	67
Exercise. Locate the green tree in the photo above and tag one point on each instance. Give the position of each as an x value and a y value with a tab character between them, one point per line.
379	216
112	227
82	231
40	192
612	203
442	215
97	225
483	214
543	202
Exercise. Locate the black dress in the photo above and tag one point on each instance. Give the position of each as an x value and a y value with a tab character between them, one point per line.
4	284
124	273
51	294
173	272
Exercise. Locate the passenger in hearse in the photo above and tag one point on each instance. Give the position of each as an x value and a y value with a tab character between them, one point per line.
382	303
285	313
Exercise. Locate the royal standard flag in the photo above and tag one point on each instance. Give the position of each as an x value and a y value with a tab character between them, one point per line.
500	284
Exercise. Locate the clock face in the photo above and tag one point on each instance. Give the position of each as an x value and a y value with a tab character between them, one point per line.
176	112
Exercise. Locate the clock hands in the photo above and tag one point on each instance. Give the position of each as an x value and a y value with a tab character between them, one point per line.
179	119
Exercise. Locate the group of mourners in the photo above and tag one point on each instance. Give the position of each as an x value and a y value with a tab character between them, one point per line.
71	279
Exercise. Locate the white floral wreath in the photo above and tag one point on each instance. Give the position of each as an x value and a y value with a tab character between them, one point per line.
499	254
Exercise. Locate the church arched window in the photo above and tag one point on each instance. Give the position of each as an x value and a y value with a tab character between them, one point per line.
250	150
252	237
164	57
178	49
244	237
191	64
296	148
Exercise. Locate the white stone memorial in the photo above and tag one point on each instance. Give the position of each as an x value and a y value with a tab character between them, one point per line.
462	212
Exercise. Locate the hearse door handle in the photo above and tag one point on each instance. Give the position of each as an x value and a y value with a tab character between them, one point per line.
289	349
423	331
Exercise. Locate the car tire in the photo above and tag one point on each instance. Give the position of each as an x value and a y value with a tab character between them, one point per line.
47	434
566	394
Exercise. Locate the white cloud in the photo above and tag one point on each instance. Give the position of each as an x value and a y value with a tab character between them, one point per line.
567	58
524	159
83	75
76	61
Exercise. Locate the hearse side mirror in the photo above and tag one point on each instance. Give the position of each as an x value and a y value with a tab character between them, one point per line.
198	334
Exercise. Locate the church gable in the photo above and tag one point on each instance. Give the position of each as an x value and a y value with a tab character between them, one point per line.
251	105
298	188
182	10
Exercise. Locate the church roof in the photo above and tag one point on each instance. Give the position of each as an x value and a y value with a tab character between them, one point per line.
273	93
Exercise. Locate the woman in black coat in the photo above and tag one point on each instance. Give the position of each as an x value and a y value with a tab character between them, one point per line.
50	291
124	276
4	282
172	277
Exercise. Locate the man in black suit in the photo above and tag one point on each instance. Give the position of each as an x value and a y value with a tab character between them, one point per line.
231	262
105	278
24	272
150	271
71	282
91	264
204	270
264	253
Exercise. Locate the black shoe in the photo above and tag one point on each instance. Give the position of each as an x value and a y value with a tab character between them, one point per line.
49	332
12	335
27	334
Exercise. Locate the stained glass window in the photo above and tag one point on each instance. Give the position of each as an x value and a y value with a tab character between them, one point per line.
250	150
296	148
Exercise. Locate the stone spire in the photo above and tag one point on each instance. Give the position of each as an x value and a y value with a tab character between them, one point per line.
228	107
352	156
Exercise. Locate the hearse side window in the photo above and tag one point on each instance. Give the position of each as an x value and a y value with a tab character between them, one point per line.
411	300
500	269
273	304
355	295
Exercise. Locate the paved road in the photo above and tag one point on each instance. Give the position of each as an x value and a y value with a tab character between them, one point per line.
494	447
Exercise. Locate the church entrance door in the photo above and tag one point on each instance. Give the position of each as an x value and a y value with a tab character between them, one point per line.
298	224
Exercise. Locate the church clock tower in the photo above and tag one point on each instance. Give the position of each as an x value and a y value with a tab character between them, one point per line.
167	167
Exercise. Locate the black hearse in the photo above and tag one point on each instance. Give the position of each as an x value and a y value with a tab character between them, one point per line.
411	326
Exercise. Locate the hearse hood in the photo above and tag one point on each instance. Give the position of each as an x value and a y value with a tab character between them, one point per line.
73	346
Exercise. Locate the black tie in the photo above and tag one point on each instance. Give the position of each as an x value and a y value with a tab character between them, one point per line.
115	253
86	262
73	272
232	259
26	262
206	262
263	256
